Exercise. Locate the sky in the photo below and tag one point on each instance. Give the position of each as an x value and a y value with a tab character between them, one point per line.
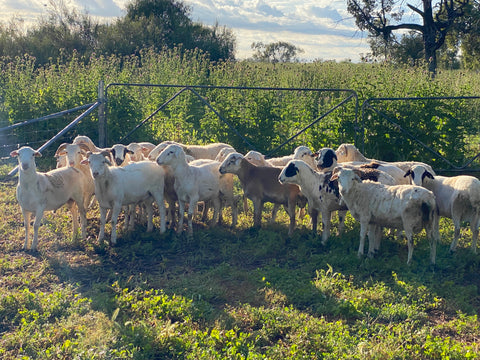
322	28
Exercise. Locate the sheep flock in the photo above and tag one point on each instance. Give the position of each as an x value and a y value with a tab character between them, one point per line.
170	178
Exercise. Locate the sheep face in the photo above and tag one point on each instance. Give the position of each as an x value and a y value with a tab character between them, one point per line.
119	153
73	152
171	154
231	164
302	152
153	154
26	157
289	173
223	153
326	158
98	164
346	178
255	158
418	175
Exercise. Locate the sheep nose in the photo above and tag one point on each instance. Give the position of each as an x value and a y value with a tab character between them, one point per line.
95	174
119	161
25	166
71	163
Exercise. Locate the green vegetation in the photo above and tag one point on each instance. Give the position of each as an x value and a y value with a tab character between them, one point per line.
231	294
235	293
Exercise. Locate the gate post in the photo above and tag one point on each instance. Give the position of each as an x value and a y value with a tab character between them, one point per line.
102	117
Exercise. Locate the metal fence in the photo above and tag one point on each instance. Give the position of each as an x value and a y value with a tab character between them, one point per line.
386	123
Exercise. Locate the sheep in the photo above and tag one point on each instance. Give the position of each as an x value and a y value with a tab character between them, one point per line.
120	154
193	183
322	194
348	153
38	192
74	154
209	151
118	186
327	161
407	207
458	198
223	153
137	152
260	184
304	153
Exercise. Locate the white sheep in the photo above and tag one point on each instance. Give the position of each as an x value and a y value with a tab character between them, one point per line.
349	152
304	153
260	184
209	151
458	198
121	155
327	161
193	183
322	194
38	192
408	207
139	182
74	154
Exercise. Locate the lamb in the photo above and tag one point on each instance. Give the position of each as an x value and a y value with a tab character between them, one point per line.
193	183
260	184
74	154
408	207
132	184
322	194
304	153
327	161
121	154
348	152
209	151
458	198
38	192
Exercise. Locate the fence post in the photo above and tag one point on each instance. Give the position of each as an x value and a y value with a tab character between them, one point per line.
102	117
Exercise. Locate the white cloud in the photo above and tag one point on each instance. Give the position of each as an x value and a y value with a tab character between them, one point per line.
323	28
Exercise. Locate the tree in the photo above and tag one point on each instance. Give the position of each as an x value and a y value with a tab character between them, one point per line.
280	51
382	18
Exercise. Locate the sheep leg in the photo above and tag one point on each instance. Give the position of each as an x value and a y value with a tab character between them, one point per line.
216	211
409	235
313	218
181	214
363	233
456	234
341	221
74	211
161	209
474	225
36	226
274	212
115	212
27	217
234	211
149	207
257	212
326	226
374	236
103	221
191	208
291	213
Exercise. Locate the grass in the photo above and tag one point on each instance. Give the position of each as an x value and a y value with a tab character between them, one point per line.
231	294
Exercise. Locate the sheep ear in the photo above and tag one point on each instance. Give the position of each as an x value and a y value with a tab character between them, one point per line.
428	175
85	162
108	162
14	153
408	173
84	147
61	149
37	154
